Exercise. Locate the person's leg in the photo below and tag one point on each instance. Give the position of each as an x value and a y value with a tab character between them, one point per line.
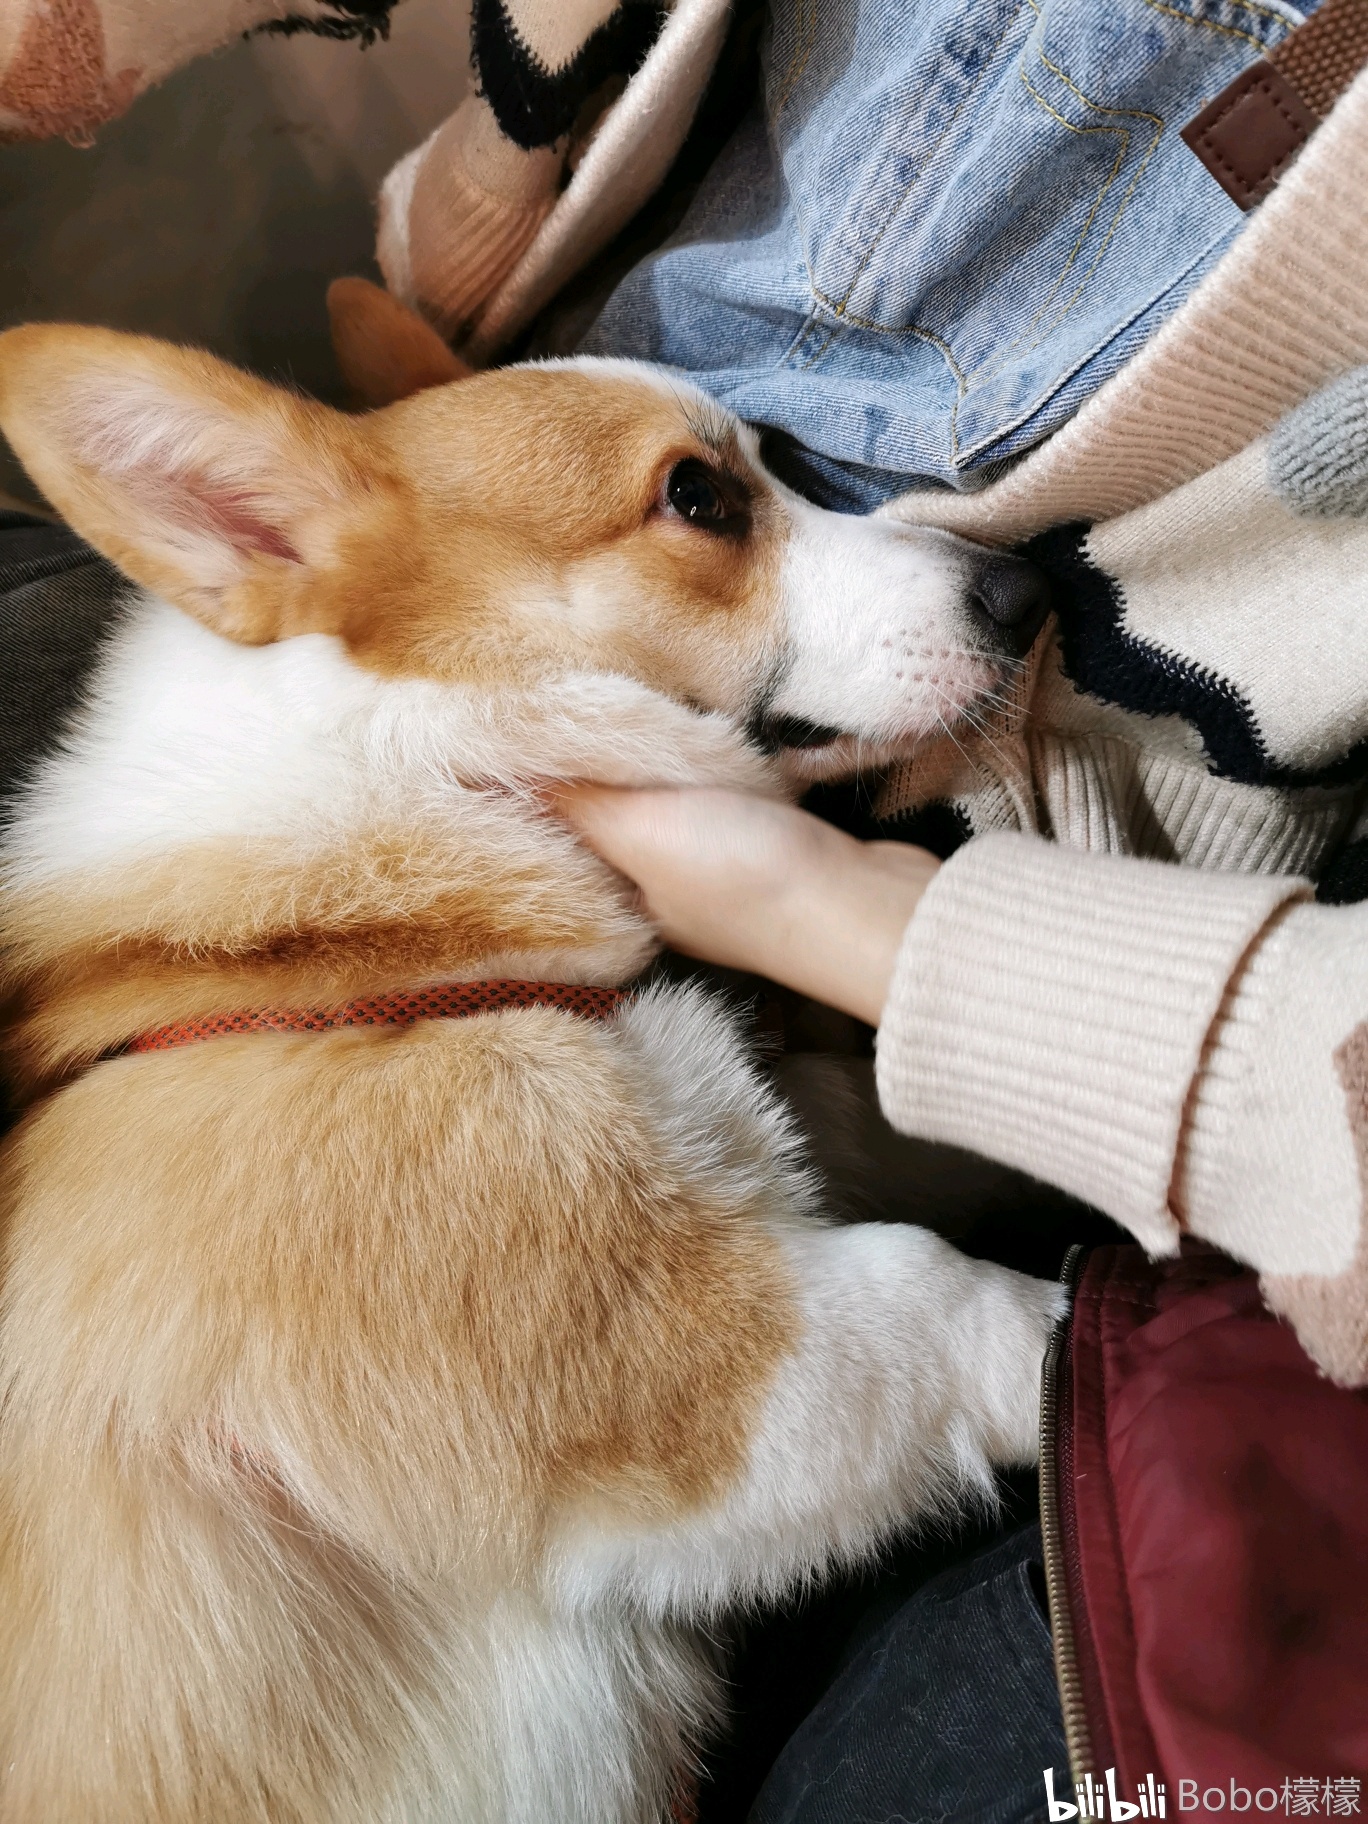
58	602
947	1710
57	607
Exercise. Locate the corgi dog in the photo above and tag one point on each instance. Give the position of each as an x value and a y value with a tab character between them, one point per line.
388	1405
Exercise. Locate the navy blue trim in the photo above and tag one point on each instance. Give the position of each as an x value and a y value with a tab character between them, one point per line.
535	106
940	825
1104	660
365	20
1345	881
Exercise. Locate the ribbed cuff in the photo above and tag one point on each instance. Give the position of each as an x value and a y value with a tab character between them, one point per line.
1049	1008
1203	1189
458	213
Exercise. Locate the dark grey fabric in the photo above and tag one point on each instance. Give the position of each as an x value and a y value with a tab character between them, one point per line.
948	1711
58	606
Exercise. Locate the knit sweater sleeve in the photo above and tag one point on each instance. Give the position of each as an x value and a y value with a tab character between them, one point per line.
1184	1050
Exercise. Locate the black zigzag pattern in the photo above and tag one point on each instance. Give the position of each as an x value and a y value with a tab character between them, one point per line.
1345	881
1104	660
940	825
535	106
364	20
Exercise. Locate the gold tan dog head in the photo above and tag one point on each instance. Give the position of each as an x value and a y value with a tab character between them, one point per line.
513	529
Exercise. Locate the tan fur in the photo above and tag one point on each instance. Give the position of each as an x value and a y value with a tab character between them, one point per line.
418	534
328	1328
385	350
570	503
222	925
313	458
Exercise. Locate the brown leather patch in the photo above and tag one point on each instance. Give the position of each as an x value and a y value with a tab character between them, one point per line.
1251	132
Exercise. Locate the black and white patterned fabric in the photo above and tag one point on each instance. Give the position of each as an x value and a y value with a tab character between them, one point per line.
1202	695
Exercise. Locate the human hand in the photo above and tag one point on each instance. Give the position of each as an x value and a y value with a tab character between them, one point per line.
761	886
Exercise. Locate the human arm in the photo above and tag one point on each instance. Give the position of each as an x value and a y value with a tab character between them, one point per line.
1188	1051
756	884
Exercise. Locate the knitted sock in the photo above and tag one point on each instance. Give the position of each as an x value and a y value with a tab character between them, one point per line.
67	66
458	212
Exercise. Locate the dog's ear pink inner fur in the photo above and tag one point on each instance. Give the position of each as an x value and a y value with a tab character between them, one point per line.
205	485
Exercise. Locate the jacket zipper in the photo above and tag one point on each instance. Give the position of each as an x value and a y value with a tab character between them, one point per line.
1055	1513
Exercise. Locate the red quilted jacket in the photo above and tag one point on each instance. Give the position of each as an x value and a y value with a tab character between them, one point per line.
1205	1507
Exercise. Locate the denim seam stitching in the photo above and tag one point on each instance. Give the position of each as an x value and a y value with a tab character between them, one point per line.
1244	6
1133	113
833	331
1213	25
853	319
1155	120
989	438
810	323
840	308
1118	164
807	38
897	206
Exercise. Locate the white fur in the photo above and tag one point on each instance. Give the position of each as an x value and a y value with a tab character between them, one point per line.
190	737
915	1371
878	639
539	1715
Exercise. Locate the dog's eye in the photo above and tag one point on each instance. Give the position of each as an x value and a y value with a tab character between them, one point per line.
695	494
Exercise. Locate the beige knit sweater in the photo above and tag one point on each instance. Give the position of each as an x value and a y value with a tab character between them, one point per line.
1184	1046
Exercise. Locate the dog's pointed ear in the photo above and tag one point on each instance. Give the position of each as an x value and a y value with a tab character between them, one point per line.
385	350
221	493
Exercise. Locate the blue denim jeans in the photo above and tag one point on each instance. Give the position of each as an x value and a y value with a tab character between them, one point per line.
948	1711
945	225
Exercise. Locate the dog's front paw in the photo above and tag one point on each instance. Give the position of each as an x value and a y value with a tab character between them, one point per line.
1014	1321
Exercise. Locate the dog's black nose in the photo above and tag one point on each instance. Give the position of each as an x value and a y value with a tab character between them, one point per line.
1014	597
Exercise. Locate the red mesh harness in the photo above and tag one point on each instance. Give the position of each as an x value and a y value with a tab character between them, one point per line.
450	1001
